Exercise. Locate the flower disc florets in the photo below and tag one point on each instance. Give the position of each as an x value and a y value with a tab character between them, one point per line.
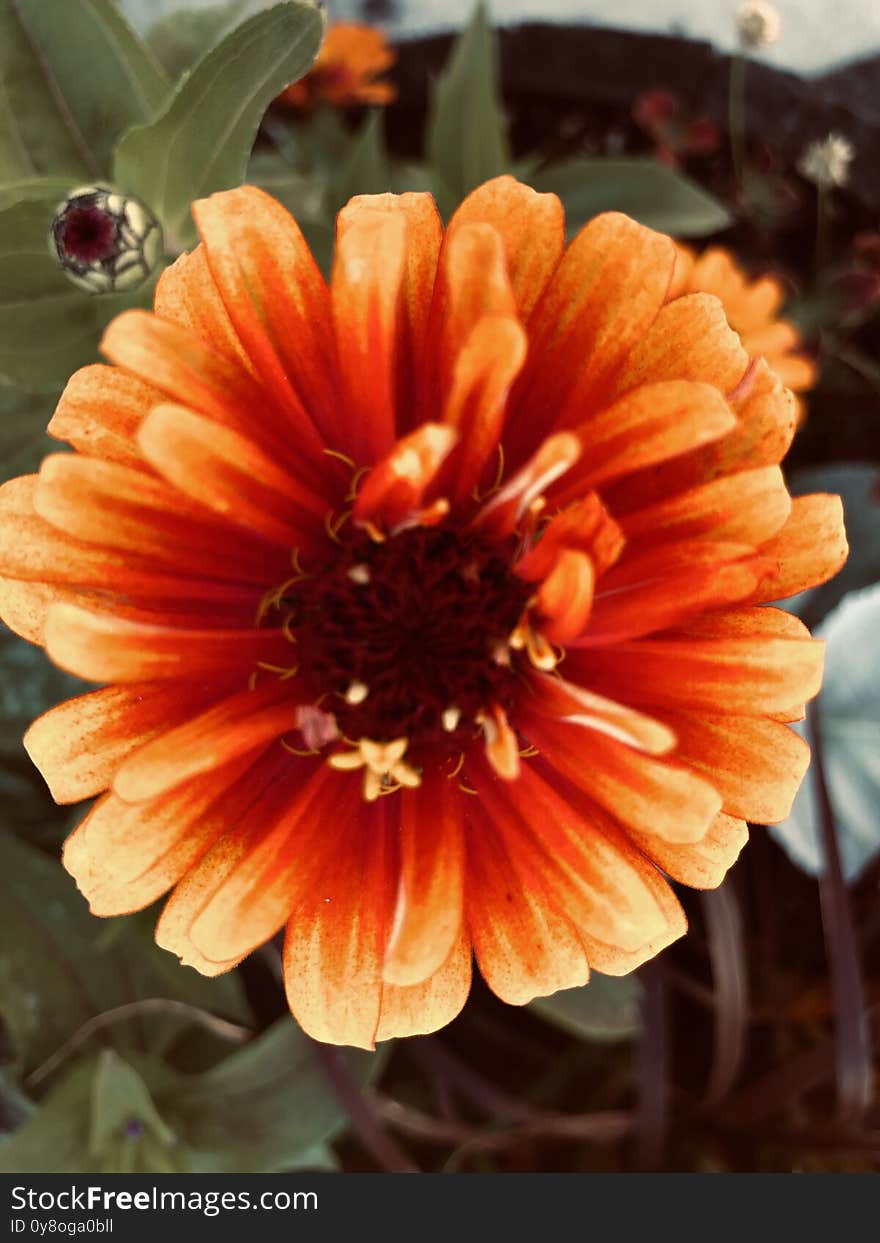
408	636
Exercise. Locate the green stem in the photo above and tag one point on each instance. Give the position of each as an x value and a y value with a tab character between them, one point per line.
737	115
822	226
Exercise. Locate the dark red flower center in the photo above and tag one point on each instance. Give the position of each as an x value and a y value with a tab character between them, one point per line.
408	637
86	234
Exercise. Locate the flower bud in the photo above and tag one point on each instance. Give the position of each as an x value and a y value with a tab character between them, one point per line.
826	161
106	242
758	24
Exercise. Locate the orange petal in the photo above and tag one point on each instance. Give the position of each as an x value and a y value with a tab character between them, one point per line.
504	509
701	865
757	766
79	745
651	424
765	423
182	367
749	507
613	960
555	697
689	340
476	404
473	283
25	606
423	241
227	473
276	299
430	1005
596	879
100	411
229	729
110	505
366	292
753	676
104	648
428	914
335	941
524	947
601	300
186	295
123	858
565	597
395	487
282	865
586	525
641	792
809	549
532	227
643	608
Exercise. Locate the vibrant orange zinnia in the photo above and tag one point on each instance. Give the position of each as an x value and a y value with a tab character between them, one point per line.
345	73
752	308
426	603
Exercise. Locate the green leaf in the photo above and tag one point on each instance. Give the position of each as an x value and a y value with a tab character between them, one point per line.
55	1139
181	36
120	1097
202	141
651	193
23	439
59	968
467	134
367	169
100	1118
75	76
606	1009
264	1108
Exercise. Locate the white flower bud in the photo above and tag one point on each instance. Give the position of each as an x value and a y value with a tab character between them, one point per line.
105	242
826	161
758	24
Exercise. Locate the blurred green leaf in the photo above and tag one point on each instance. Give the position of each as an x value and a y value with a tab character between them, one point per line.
606	1009
120	1101
179	34
29	684
651	193
202	141
59	967
75	76
366	169
99	1118
848	710
858	486
467	134
55	1139
265	1107
23	439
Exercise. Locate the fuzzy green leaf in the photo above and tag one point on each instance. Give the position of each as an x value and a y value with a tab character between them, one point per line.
651	193
467	134
202	141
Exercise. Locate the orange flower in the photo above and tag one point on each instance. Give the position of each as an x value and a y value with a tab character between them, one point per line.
351	58
426	604
752	309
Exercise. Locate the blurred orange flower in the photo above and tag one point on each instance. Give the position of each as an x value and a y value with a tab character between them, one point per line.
752	308
428	605
350	61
